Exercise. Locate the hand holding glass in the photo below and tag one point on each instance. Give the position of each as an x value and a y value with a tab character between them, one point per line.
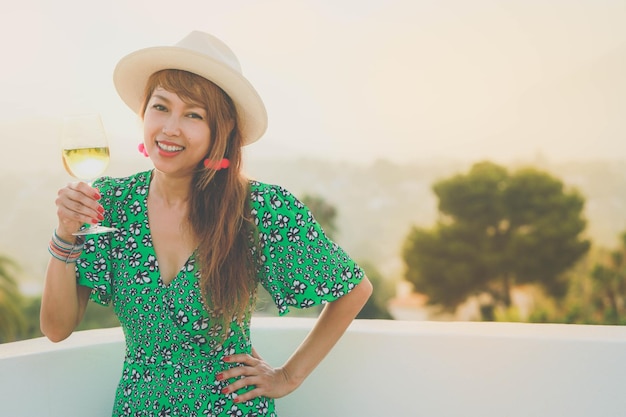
85	154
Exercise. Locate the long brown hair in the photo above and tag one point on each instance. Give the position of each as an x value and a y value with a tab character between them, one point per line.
219	211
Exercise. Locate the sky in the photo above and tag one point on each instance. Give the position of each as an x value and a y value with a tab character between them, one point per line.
344	80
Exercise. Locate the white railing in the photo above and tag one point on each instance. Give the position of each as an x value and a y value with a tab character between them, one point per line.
379	369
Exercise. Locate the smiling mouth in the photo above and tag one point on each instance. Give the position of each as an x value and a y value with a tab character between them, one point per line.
169	148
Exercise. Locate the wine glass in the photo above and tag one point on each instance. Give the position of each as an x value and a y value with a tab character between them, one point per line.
85	154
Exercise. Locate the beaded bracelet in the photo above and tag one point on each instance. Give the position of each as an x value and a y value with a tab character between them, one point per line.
66	251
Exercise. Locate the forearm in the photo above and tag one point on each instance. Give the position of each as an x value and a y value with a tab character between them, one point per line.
330	326
62	301
278	382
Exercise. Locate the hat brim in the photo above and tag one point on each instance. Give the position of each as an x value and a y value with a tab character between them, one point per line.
132	72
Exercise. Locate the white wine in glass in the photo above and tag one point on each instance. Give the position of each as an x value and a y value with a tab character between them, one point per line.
85	154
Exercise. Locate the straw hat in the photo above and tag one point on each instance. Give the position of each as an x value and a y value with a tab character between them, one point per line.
201	54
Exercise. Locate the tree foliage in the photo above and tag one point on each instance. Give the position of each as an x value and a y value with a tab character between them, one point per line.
19	314
609	277
596	294
496	229
12	320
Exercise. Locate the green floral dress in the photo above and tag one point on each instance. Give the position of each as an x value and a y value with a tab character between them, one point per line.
174	347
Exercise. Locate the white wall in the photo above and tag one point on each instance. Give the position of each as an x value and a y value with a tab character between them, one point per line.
379	369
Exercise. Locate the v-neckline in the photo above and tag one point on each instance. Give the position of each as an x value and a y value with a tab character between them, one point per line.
157	270
175	278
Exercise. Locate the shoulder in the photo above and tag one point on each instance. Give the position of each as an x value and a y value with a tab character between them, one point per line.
117	187
272	196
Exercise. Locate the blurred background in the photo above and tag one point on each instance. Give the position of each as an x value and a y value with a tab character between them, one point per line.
470	155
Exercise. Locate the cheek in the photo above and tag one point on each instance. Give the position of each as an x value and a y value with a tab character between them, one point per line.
202	147
202	139
150	127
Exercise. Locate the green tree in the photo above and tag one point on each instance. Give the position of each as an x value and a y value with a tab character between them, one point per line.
12	321
30	308
596	293
609	277
496	229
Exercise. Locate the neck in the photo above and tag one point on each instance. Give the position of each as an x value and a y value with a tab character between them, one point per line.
171	191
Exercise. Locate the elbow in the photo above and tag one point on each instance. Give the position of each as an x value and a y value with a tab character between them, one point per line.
363	291
54	338
55	335
368	290
55	332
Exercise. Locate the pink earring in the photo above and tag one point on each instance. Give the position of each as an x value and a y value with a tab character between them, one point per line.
216	165
142	150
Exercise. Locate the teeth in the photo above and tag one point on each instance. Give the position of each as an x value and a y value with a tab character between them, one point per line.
169	148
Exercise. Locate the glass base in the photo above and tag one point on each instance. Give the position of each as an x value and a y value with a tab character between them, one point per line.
94	230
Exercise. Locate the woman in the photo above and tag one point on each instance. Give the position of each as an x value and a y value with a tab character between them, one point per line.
194	239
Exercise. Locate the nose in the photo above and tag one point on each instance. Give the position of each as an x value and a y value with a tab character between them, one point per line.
171	127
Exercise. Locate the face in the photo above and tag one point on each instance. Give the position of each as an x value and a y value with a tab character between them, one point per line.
176	133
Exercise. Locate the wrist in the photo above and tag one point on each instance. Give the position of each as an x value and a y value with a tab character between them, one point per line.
292	381
65	236
66	250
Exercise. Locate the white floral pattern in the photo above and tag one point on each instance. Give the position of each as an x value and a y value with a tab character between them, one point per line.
174	347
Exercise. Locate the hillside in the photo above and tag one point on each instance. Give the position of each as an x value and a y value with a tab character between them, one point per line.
377	203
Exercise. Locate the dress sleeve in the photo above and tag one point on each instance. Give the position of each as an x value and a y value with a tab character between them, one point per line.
298	264
93	268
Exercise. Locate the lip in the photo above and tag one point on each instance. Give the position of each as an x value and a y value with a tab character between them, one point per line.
168	153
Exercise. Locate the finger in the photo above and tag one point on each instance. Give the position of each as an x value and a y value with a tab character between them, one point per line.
86	190
242	383
77	203
78	211
240	358
231	373
255	354
247	396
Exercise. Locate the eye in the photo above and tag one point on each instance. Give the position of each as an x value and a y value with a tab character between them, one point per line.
195	116
159	107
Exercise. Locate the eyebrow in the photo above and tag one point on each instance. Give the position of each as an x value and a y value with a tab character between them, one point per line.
191	105
160	97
